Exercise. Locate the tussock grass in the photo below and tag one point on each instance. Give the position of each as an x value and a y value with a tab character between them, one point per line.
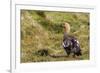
42	34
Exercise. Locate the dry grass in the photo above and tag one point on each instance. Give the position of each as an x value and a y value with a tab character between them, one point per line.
43	31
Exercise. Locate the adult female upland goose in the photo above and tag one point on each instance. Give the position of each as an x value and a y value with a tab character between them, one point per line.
70	43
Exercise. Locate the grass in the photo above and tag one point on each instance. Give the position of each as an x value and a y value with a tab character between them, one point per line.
42	30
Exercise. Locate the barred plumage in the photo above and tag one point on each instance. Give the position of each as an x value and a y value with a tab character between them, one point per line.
70	43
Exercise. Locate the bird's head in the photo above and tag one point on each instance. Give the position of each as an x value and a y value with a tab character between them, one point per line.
66	27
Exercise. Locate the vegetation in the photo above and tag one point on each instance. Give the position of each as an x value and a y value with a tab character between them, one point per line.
42	34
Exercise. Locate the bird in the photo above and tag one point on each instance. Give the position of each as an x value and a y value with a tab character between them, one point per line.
70	43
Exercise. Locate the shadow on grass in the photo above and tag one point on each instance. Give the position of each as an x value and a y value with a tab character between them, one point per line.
67	57
58	56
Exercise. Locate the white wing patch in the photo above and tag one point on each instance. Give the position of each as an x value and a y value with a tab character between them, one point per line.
65	44
77	41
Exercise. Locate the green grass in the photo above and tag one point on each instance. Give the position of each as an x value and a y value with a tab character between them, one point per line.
42	30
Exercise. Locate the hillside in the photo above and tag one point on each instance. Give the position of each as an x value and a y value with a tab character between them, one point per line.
42	30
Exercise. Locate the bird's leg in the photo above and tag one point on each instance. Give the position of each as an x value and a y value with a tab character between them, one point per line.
74	55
